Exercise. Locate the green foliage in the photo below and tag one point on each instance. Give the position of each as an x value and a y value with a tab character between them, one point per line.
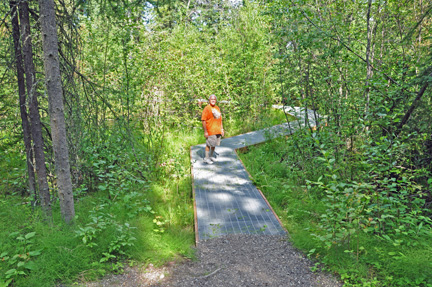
21	261
107	234
114	224
363	177
111	167
12	167
392	208
105	225
364	231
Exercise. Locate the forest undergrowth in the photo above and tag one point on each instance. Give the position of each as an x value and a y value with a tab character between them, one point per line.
356	215
121	219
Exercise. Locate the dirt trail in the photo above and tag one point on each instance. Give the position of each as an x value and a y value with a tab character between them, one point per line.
234	260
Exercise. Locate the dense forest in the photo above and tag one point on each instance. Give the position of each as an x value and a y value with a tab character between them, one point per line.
101	101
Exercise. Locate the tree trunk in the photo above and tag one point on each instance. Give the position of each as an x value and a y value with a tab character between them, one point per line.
22	100
368	59
411	108
55	98
36	128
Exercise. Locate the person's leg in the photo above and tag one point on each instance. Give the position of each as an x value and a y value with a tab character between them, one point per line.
210	144
207	152
212	148
207	159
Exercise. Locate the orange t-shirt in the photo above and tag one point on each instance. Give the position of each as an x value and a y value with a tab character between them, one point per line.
213	118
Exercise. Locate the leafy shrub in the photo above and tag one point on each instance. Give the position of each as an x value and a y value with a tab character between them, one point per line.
20	261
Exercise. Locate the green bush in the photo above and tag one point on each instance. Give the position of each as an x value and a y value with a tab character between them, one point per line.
362	216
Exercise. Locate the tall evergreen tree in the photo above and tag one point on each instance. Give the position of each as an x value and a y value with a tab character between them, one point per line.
55	95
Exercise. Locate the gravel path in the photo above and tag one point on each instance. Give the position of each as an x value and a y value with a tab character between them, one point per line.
248	260
232	260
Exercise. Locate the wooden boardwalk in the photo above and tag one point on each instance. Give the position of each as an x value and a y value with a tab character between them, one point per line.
226	201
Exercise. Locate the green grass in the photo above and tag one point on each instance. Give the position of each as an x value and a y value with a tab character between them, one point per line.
65	258
12	168
379	262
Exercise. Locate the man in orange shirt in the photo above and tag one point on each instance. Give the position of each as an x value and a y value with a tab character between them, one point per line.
213	129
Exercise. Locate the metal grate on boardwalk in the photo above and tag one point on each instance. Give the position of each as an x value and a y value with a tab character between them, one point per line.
226	201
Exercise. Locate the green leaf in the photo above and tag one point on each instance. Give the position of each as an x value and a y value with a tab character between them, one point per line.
30	265
10	271
35	253
30	235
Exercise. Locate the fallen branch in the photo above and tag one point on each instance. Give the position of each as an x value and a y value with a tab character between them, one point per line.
208	275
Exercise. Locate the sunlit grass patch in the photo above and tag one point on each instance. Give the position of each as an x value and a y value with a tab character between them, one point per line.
158	245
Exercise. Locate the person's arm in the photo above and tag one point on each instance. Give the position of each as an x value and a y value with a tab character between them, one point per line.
205	129
222	129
